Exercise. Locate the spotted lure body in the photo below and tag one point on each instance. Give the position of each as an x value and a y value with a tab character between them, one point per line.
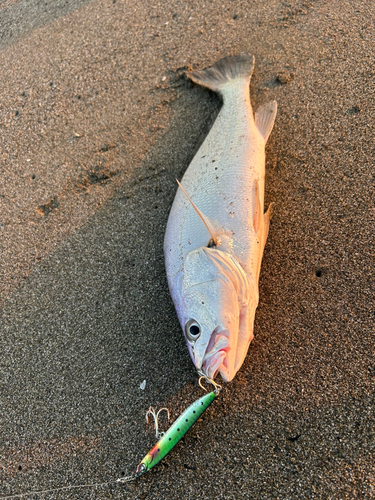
173	435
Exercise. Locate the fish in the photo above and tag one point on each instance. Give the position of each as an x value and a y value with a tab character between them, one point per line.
217	228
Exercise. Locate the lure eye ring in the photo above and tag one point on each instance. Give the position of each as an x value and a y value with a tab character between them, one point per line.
141	469
193	330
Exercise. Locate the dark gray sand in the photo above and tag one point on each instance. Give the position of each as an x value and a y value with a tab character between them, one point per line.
97	120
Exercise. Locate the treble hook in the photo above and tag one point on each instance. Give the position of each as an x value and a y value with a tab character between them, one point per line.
151	411
217	387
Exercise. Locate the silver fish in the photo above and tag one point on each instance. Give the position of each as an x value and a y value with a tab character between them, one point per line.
217	230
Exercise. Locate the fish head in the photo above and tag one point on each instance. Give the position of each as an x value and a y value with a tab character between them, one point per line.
214	287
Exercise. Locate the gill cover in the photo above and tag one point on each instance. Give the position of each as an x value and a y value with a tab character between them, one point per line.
218	296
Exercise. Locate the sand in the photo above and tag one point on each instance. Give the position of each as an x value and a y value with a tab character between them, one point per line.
97	119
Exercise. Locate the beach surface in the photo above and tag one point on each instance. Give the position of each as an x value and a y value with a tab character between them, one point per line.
97	120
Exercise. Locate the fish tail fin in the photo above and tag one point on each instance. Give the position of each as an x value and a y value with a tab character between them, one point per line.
224	72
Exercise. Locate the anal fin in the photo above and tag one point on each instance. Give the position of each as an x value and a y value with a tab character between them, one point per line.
263	237
266	218
265	118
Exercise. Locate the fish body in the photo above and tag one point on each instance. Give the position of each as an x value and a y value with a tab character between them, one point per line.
217	230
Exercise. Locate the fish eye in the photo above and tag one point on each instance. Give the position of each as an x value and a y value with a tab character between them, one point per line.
142	468
192	330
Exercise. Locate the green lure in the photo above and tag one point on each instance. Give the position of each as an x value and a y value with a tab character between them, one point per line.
176	431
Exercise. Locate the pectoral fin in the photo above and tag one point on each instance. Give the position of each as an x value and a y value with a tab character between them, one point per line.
265	118
206	221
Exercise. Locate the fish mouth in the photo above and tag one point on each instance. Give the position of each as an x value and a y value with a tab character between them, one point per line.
215	358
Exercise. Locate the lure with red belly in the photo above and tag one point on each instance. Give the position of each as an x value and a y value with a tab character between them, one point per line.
173	435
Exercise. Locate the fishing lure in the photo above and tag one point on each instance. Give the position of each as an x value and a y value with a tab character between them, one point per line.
173	435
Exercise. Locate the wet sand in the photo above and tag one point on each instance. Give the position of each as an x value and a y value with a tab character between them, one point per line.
97	120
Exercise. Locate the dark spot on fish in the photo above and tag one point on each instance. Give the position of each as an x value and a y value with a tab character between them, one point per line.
318	273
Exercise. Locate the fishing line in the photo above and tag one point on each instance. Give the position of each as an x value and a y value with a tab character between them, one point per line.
41	492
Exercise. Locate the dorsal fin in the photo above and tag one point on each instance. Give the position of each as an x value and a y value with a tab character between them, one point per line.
265	118
202	217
